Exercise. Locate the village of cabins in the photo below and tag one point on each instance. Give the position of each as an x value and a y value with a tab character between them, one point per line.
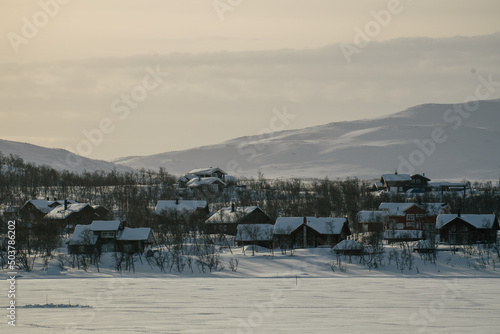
94	226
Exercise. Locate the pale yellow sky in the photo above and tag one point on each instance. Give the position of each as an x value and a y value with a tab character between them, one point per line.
64	63
83	29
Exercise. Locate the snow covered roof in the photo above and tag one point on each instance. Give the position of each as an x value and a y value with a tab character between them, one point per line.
105	225
347	245
196	182
82	236
226	215
447	184
180	205
420	176
60	212
478	221
187	177
134	234
322	225
395	209
370	216
254	232
41	204
396	177
399	209
206	171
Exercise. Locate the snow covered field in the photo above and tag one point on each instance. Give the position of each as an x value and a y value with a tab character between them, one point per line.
299	294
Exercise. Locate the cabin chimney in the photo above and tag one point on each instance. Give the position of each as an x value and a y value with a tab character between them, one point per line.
232	207
458	213
304	233
65	205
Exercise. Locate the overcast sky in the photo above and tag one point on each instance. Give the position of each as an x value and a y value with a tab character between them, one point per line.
225	67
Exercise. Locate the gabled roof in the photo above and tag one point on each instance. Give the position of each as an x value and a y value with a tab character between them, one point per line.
61	202
41	205
105	225
419	176
134	234
60	212
477	221
227	216
81	236
396	177
254	232
395	209
447	184
322	225
206	171
399	209
370	216
180	205
196	182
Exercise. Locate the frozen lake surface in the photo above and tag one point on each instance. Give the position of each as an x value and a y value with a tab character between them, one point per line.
379	304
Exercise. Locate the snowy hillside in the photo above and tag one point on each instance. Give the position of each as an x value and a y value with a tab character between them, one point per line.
365	148
56	158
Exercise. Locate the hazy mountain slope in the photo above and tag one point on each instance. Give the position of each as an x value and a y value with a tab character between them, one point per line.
364	148
56	158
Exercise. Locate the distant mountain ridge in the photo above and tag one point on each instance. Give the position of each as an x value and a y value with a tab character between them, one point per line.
468	147
362	148
59	159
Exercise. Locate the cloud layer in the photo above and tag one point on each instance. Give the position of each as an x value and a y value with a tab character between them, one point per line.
210	97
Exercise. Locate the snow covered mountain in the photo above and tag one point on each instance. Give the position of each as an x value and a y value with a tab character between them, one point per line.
57	158
446	141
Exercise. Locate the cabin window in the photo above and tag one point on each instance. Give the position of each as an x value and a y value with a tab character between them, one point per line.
420	215
400	226
410	217
410	224
107	234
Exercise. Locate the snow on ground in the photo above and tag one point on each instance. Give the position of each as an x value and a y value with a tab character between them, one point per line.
293	294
